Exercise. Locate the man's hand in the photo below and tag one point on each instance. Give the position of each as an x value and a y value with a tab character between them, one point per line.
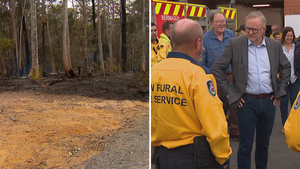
225	166
275	100
240	104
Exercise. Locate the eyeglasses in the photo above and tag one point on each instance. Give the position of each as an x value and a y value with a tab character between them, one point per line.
254	30
220	21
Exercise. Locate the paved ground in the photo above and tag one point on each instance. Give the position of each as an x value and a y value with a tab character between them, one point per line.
128	149
280	156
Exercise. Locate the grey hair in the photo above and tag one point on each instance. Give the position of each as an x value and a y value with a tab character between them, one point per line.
276	26
257	14
212	15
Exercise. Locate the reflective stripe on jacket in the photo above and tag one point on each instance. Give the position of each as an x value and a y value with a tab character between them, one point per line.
159	51
164	38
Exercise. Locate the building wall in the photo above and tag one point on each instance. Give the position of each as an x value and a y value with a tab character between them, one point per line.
292	15
291	7
273	17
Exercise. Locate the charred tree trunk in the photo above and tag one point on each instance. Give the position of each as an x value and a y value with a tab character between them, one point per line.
15	58
143	64
111	59
85	50
100	41
43	38
105	20
124	50
95	35
28	58
120	49
22	9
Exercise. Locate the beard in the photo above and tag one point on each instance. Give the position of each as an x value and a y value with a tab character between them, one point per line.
199	55
199	58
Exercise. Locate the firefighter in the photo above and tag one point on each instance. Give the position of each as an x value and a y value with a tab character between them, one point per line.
165	36
292	126
159	49
185	108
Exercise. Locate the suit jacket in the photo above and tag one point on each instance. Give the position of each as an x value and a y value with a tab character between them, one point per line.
297	59
236	54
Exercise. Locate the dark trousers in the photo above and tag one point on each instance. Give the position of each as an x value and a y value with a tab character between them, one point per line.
176	158
233	127
291	91
256	114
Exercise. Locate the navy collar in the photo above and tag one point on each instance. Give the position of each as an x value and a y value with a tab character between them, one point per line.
187	57
182	56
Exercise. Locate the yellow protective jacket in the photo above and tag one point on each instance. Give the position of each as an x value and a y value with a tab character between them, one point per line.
159	51
184	104
164	38
271	36
292	126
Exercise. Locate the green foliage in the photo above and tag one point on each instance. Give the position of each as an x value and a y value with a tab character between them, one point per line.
40	70
135	40
76	26
35	74
5	59
5	19
5	44
142	81
117	68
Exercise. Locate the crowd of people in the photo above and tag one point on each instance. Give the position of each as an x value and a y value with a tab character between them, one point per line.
198	81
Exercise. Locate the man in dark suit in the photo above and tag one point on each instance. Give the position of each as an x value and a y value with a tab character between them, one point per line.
255	61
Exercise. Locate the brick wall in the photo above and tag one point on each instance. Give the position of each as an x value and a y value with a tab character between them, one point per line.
291	7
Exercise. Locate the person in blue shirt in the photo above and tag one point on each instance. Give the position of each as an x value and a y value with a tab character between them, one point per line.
214	42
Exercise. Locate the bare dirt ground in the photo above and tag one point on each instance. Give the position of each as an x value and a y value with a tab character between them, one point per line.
73	123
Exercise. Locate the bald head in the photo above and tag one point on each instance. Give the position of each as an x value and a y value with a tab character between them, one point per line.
187	38
185	32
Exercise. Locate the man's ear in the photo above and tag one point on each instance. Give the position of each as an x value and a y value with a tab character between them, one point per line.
264	29
198	43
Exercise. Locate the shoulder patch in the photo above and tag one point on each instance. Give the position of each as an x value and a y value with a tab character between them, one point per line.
297	104
211	88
